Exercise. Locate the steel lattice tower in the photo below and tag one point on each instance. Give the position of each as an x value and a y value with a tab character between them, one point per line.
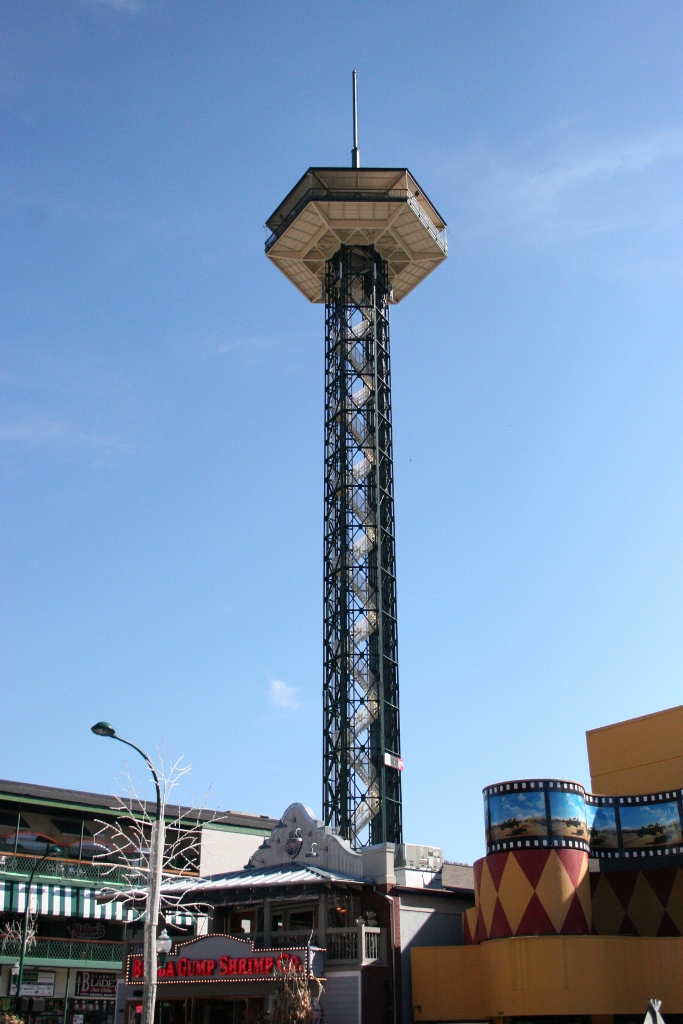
358	240
360	702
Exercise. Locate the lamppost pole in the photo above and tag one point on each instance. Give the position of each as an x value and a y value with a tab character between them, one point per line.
49	848
156	860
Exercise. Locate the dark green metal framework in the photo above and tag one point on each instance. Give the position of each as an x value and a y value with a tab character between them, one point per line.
361	736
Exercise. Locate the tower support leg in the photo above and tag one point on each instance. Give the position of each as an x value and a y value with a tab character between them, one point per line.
361	735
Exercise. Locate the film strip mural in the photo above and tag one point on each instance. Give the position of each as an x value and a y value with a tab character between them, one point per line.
557	814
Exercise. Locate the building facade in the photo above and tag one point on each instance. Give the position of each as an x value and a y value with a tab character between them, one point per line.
579	900
351	916
76	946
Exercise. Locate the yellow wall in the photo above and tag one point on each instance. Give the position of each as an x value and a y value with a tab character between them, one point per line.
547	975
642	755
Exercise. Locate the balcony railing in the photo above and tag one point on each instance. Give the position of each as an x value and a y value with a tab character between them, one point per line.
389	195
80	871
361	944
74	950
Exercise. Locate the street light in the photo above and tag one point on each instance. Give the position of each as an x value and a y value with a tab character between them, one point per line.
156	860
164	946
50	849
105	729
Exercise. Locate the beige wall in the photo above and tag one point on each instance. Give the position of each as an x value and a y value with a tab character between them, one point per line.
642	755
225	851
547	975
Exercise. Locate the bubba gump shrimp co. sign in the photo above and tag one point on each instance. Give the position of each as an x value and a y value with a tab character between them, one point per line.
224	958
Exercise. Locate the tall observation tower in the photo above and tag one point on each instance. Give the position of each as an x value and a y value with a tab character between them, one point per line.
358	240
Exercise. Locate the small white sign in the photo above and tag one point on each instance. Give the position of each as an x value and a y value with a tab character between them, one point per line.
35	983
391	761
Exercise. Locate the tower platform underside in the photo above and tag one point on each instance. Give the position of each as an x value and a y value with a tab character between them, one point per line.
334	206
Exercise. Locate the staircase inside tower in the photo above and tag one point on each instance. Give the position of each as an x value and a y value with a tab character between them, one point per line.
361	785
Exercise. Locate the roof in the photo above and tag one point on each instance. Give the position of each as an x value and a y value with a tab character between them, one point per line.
76	799
350	178
334	206
457	876
262	878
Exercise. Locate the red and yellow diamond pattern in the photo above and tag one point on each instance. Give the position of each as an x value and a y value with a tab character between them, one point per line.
529	892
638	902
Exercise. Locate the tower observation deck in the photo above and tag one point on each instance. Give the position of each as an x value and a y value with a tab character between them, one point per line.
357	241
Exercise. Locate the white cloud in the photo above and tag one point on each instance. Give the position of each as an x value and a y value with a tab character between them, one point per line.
536	189
282	695
568	186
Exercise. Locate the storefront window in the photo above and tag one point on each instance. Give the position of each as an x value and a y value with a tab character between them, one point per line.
92	1011
171	1012
204	1011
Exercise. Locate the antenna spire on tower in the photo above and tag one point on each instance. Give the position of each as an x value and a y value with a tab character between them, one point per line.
355	152
320	241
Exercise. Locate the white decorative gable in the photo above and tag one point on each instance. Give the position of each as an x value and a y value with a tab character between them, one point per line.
300	838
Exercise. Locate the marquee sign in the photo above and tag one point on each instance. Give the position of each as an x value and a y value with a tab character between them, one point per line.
225	958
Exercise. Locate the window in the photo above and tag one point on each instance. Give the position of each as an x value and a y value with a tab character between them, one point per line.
342	911
68	826
242	922
8	831
301	920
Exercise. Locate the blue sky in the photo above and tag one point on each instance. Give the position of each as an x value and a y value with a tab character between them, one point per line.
162	387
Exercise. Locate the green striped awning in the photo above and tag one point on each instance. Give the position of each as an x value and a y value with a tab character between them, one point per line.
180	920
62	901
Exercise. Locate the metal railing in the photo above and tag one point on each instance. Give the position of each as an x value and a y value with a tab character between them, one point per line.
389	195
282	940
289	940
360	944
373	945
73	870
431	228
341	945
80	871
76	950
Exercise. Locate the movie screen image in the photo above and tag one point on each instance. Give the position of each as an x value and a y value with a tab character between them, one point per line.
602	827
568	815
517	814
650	825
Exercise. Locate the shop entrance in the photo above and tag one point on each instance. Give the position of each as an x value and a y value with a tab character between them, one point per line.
201	1011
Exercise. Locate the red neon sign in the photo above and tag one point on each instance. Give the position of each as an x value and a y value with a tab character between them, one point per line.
224	967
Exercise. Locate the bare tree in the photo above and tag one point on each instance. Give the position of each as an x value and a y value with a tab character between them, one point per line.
10	934
294	1002
153	854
